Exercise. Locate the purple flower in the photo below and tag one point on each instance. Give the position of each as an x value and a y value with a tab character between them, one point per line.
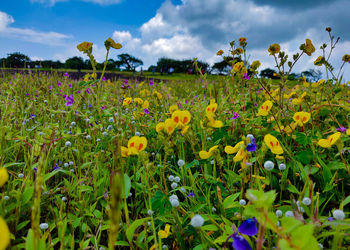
341	129
151	82
56	167
235	116
50	87
104	78
78	92
248	227
146	111
90	105
103	107
59	84
191	194
186	102
60	90
66	74
255	104
70	85
70	101
239	242
88	91
27	94
64	96
251	147
246	77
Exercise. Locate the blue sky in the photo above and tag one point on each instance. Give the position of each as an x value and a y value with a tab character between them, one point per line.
182	29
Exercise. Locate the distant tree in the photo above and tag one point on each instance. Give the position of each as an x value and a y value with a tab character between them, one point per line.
74	63
16	60
268	73
179	66
225	65
312	75
129	62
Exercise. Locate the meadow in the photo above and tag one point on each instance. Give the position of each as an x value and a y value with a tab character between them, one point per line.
204	162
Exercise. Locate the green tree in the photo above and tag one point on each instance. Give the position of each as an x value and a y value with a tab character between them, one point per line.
74	63
16	60
128	62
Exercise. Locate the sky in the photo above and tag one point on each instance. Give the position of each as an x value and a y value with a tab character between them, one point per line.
180	29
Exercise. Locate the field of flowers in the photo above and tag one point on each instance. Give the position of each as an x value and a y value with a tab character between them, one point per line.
241	162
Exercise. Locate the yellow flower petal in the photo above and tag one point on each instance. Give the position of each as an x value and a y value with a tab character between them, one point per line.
4	176
204	155
4	234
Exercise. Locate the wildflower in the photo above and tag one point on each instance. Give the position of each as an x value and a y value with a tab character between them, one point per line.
85	46
273	144
136	144
20	175
173	108
169	126
239	242
346	58
151	83
245	77
64	199
44	226
274	49
56	167
111	43
332	139
237	67
242	202
242	40
163	234
160	126
207	154
279	213
177	179
236	148
318	83
180	163
220	52
4	176
173	185
301	118
175	203
338	214
191	194
348	131
181	118
289	214
252	145
146	111
66	74
265	108
234	116
4	235
248	227
182	189
319	61
145	104
309	47
211	108
256	64
88	91
282	166
127	101
341	129
70	100
268	165
197	221
68	144
306	201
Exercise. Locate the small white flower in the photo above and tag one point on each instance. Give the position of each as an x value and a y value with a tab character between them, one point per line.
289	214
171	178
130	194
71	163
180	163
278	223
6	198
66	165
209	138
182	189
20	175
44	226
73	124
175	203
212	162
40	133
105	134
64	198
177	179
150	212
213	209
320	245
111	119
98	139
279	213
197	221
109	128
282	166
68	144
242	202
338	214
173	197
88	137
173	185
87	120
250	137
306	201
72	170
268	165
137	133
149	223
164	246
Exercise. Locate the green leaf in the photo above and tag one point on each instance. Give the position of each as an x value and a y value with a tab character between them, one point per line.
229	201
289	224
305	156
27	195
200	247
292	189
29	240
127	186
195	162
346	201
122	243
130	231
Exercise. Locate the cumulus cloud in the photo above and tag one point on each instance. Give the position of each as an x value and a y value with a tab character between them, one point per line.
29	35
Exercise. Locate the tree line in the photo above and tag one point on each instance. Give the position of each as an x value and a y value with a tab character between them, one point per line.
126	62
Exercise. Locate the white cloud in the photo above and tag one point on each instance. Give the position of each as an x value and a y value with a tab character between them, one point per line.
48	2
104	2
29	35
53	2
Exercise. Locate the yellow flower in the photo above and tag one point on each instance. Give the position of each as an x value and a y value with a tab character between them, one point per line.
124	151
273	144
214	123
160	126
111	43
145	104
256	64
319	61
289	129
318	83
138	101
84	46
326	143
127	101
238	51
301	118
309	47
163	234
136	144
265	108
184	130
346	58
220	52
241	154
4	234
287	96
169	126
348	131
94	75
231	150
181	117
211	108
274	49
206	154
237	67
173	108
4	176
242	39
